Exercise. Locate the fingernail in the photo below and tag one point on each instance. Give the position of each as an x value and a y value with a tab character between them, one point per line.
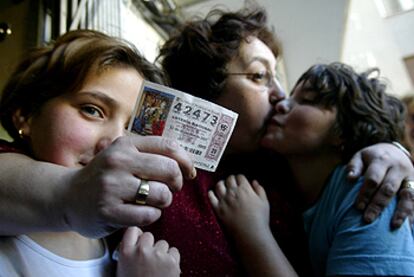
193	173
369	217
361	206
397	223
172	144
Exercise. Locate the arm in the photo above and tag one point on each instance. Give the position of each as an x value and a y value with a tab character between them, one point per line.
384	252
96	199
384	167
139	256
244	210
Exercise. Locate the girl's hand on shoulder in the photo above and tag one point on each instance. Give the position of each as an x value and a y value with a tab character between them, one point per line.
241	206
384	167
140	256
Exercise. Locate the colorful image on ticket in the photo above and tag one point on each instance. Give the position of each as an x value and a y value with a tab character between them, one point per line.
154	108
202	128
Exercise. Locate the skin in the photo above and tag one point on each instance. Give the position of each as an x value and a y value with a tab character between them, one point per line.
253	100
70	130
244	210
138	249
303	133
383	165
66	193
89	188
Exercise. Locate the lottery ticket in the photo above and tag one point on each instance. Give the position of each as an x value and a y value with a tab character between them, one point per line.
202	128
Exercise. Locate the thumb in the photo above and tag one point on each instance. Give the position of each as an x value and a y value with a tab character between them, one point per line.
355	167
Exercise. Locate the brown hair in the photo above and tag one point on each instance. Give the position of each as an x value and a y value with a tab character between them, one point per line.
50	71
194	59
408	100
366	114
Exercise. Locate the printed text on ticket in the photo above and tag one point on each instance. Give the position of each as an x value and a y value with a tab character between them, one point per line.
202	128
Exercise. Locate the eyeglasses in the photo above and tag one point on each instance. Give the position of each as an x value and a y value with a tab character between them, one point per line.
266	79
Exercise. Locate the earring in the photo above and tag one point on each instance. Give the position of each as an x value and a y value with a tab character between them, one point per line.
21	133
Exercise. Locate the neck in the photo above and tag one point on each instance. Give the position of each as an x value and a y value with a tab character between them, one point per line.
311	172
70	245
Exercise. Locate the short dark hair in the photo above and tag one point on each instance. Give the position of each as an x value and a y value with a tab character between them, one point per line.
50	71
194	59
366	114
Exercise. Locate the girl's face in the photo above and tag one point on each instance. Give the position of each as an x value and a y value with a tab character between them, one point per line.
248	95
299	126
72	128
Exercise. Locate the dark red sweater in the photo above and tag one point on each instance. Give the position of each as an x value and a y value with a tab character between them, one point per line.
206	250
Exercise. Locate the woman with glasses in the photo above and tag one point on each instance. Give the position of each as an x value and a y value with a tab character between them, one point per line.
230	59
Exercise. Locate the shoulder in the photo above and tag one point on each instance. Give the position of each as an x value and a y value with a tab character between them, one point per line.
7	147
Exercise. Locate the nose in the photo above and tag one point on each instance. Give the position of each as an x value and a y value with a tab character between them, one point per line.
283	106
276	92
109	133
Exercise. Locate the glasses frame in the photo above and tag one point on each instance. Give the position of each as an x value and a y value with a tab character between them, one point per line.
271	79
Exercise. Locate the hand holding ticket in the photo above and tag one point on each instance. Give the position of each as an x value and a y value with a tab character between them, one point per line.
202	128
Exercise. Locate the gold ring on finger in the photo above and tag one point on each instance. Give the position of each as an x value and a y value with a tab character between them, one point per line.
142	192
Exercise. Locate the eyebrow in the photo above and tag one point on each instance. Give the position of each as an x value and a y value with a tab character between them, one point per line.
262	60
109	101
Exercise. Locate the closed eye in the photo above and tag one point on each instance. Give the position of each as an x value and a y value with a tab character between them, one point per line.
307	101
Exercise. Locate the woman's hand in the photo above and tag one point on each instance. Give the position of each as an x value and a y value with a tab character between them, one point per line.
384	167
140	256
96	199
101	197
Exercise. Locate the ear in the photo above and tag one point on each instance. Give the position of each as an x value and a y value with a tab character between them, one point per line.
21	122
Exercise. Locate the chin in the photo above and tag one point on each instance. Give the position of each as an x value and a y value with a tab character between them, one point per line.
270	142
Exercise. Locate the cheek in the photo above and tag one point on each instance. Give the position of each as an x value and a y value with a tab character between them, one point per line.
62	140
254	112
311	128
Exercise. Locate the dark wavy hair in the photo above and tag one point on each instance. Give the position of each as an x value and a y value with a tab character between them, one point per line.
194	59
366	114
50	71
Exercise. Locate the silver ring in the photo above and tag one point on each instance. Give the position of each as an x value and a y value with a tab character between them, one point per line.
142	192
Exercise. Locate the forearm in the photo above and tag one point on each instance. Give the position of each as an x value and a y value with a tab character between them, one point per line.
262	256
31	195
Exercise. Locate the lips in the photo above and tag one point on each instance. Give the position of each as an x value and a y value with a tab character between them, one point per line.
275	121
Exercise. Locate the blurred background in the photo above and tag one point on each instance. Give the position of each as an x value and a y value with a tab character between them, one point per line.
362	33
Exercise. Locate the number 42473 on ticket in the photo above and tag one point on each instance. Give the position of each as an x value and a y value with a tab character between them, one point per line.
202	128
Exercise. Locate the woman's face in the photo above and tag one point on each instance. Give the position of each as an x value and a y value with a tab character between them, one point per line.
248	96
299	126
72	128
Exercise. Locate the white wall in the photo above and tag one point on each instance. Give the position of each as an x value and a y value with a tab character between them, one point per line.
311	31
373	41
136	30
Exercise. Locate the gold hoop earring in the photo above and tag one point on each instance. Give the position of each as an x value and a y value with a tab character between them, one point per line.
21	133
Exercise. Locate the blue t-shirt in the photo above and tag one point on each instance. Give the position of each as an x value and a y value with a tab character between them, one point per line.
341	243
